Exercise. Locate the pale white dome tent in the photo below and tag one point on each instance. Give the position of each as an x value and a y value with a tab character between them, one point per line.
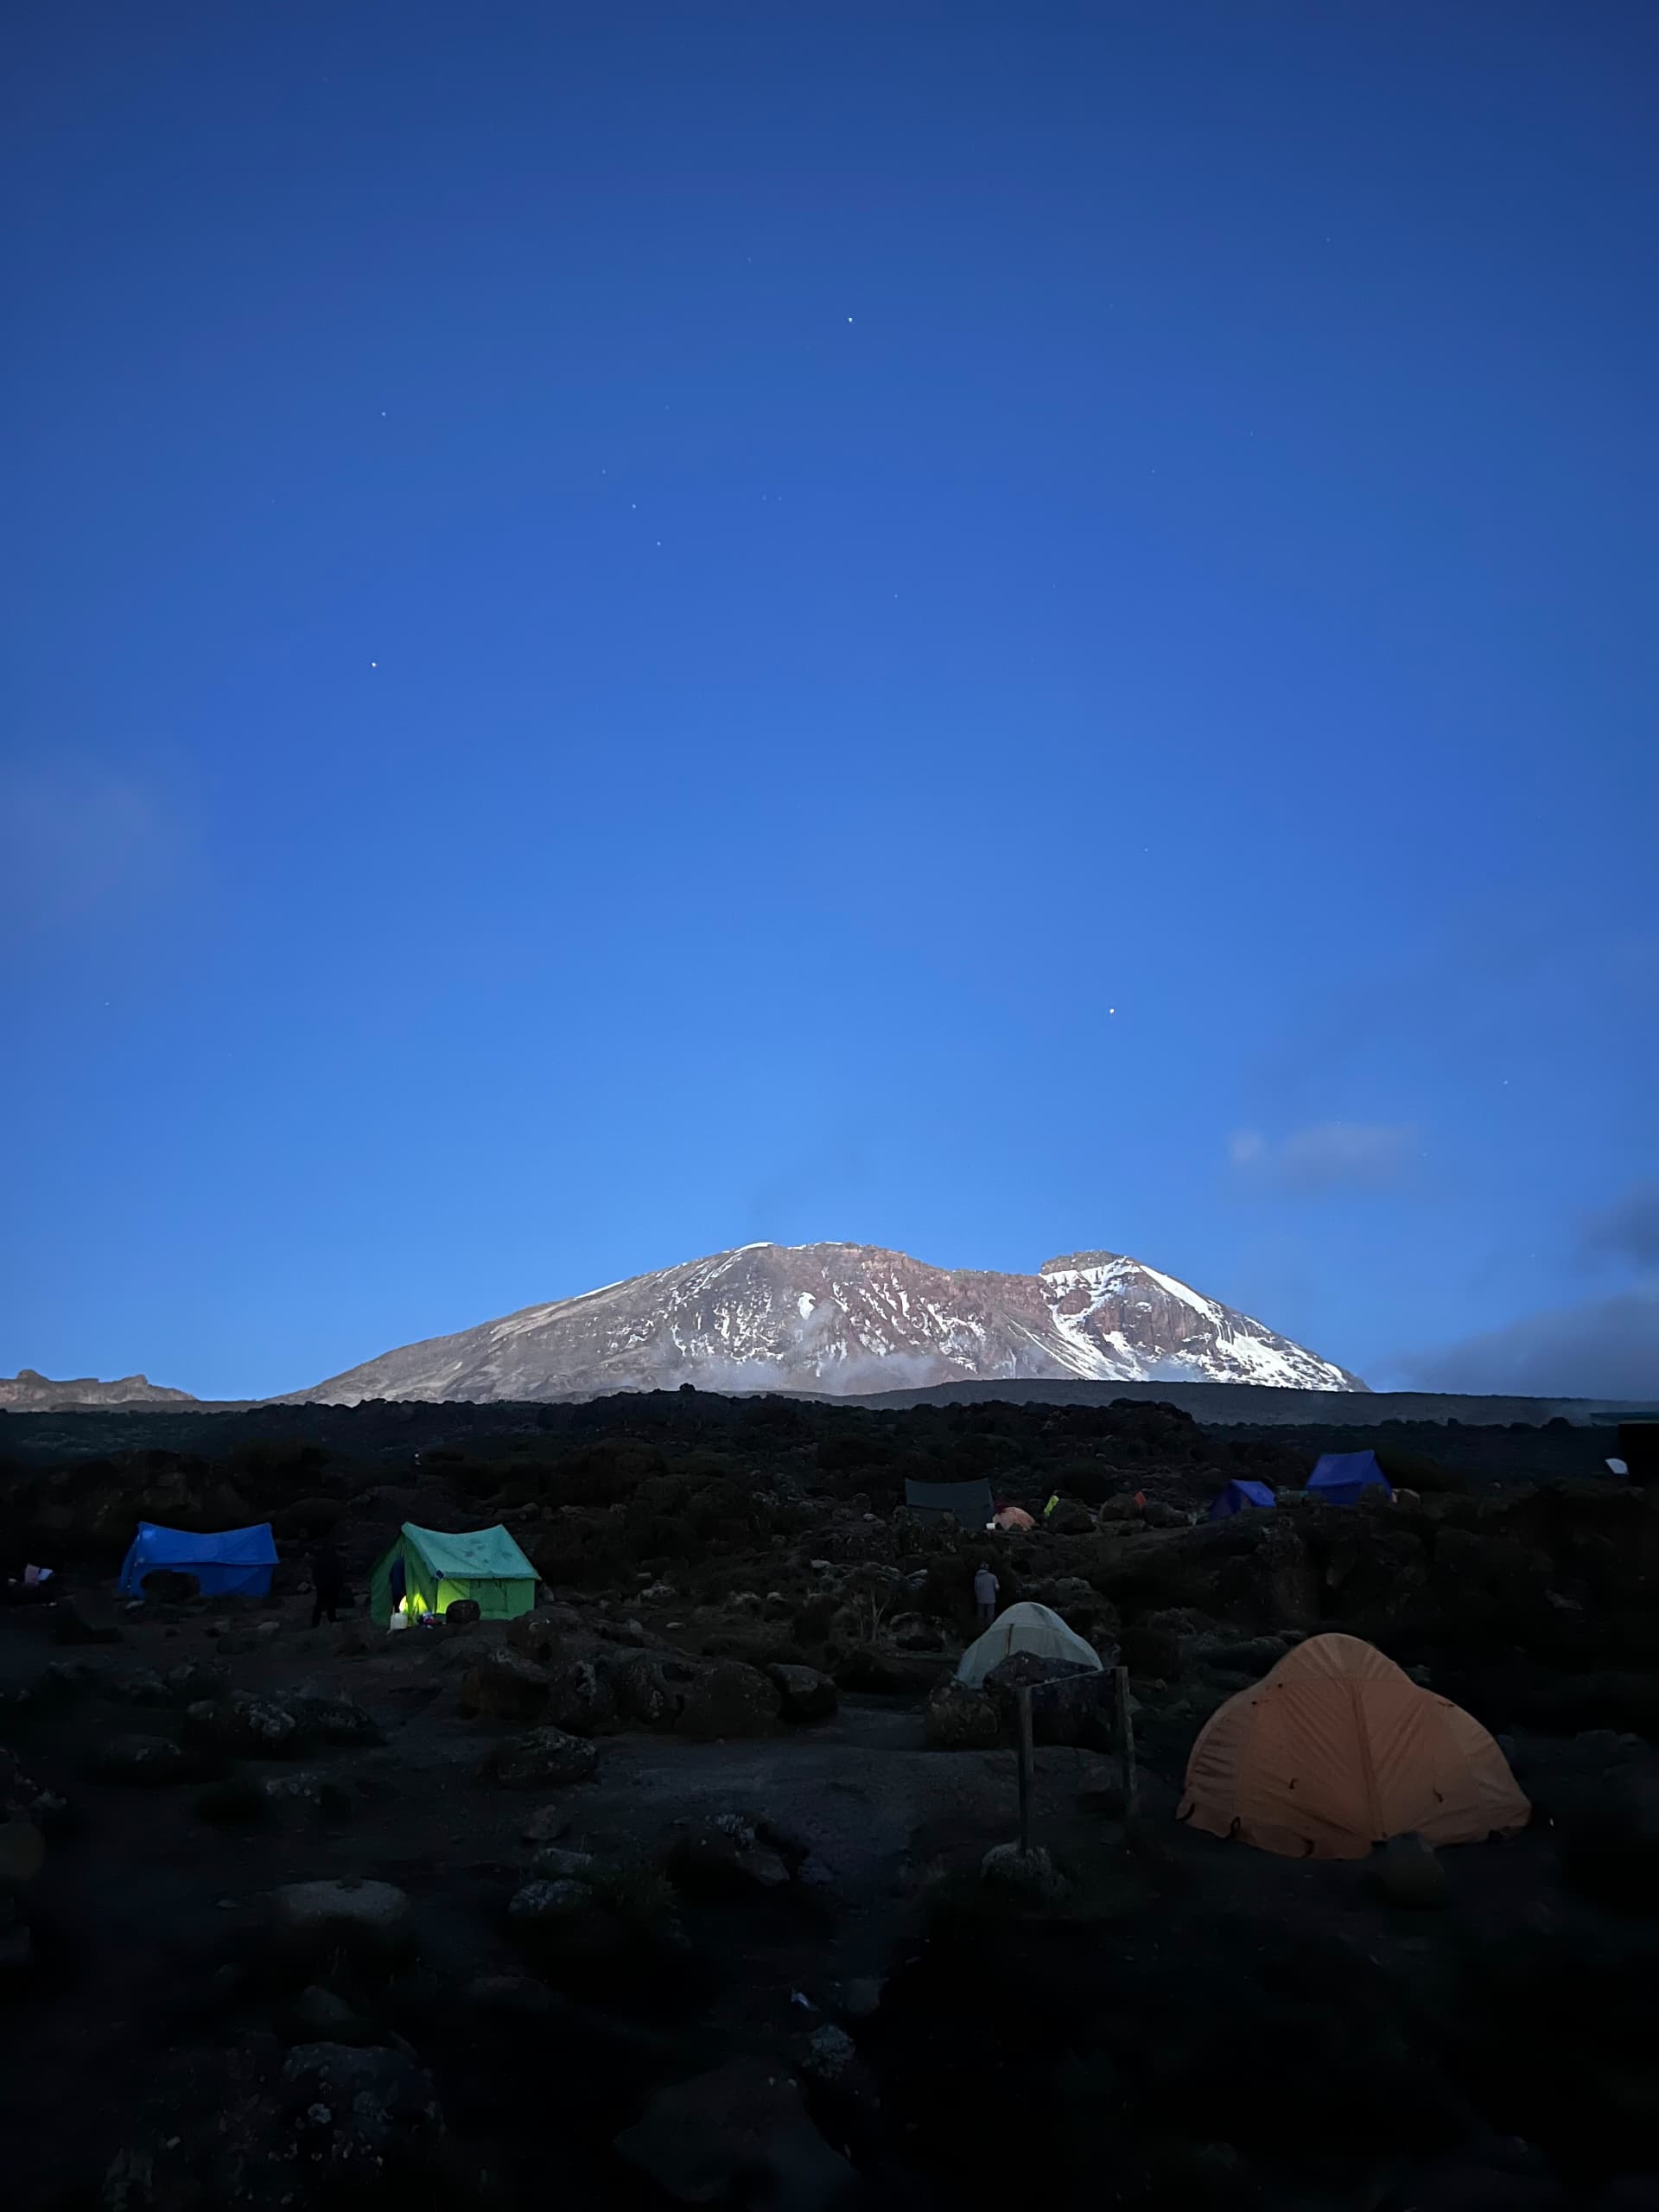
1025	1628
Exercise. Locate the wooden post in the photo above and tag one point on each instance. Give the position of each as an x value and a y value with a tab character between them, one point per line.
1126	1744
1024	1769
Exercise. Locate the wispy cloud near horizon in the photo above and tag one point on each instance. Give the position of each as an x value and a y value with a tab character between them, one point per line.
1626	1230
1605	1348
1328	1156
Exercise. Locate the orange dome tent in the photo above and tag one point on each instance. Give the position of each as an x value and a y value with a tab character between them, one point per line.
1012	1516
1338	1749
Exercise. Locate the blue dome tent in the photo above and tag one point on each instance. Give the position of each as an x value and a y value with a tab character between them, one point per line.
231	1563
1238	1497
1343	1477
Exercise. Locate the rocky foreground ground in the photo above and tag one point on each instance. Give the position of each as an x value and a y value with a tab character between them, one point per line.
695	1886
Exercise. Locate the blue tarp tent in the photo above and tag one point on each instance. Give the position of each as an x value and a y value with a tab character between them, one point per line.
1342	1478
1237	1496
231	1563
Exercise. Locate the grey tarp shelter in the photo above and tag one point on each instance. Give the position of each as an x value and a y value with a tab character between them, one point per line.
481	1563
968	1503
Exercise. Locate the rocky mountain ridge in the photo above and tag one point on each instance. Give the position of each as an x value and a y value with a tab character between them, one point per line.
843	1320
29	1392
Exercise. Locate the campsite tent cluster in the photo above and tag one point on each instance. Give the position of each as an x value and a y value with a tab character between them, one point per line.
1338	1478
422	1571
1333	1752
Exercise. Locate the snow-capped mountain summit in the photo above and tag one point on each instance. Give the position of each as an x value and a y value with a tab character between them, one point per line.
845	1318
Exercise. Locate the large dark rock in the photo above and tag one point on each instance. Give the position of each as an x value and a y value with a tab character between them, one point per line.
1151	1654
1068	1518
141	1761
319	2015
728	1699
194	1680
22	1798
740	2134
541	1635
359	2116
958	1719
563	1923
242	1725
334	1720
581	1699
504	1685
315	1796
1249	1656
1027	1873
807	1694
870	1673
370	1922
543	1758
143	1686
725	1857
648	1692
62	1679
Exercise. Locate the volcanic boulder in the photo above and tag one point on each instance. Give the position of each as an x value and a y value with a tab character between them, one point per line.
807	1694
505	1686
730	1698
543	1758
958	1719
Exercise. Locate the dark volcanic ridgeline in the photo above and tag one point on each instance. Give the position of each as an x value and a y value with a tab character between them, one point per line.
570	1862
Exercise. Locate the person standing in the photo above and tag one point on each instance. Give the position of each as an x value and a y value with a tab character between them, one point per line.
986	1586
328	1581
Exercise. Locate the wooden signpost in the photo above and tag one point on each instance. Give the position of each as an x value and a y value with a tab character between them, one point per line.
1126	1741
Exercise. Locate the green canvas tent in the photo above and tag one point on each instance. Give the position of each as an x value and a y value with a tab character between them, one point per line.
484	1563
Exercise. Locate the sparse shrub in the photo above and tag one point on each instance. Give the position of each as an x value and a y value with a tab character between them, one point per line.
840	1455
277	1457
1089	1481
813	1620
638	1896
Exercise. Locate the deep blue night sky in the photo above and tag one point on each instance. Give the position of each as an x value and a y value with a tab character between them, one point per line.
984	628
